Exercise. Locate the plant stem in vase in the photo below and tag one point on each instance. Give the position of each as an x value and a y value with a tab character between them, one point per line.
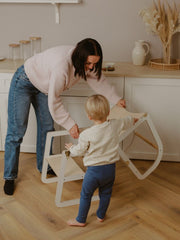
167	53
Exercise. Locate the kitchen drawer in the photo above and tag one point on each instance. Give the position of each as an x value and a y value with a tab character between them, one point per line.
82	89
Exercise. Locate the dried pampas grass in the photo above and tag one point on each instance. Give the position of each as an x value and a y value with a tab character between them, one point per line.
163	20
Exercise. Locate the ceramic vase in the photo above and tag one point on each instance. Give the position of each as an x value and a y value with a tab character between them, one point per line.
139	53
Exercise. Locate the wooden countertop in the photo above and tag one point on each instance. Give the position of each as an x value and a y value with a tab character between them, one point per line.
129	70
10	66
121	69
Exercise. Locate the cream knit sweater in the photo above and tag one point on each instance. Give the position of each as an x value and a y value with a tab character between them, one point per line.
99	144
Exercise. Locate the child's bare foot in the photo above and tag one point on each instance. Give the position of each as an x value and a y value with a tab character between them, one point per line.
100	219
74	222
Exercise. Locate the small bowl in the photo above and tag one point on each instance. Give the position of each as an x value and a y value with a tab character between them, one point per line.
109	66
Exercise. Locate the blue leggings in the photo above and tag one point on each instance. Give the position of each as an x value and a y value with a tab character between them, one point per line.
101	177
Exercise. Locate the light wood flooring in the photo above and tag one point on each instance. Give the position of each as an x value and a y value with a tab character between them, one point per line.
140	209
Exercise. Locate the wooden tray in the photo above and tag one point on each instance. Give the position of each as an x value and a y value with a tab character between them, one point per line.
158	64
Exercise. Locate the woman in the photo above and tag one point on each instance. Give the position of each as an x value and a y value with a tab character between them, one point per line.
40	81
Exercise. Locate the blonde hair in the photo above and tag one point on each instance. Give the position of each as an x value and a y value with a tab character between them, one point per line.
97	107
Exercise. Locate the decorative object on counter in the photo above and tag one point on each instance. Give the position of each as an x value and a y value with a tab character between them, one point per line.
25	49
110	66
158	64
14	51
35	45
163	20
140	52
2	58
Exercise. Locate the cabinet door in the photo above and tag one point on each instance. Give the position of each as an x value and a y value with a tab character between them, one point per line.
160	98
5	79
3	120
29	140
118	83
75	106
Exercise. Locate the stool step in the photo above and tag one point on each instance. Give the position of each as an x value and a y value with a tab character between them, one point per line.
71	168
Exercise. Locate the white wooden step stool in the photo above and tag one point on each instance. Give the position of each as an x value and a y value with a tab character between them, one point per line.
67	169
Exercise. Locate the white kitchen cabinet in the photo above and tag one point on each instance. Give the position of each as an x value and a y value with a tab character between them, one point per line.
74	102
73	99
145	90
119	84
161	99
29	140
5	79
3	118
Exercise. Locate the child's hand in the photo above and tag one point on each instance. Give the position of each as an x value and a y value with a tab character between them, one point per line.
68	145
135	120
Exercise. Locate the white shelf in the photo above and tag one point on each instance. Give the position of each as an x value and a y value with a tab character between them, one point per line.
56	4
40	1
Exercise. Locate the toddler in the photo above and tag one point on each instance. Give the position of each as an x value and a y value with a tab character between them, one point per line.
99	147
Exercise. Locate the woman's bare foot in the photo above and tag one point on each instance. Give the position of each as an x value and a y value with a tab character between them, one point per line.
100	220
74	222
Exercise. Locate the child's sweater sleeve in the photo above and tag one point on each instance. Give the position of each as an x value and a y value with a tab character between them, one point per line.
127	122
81	148
123	123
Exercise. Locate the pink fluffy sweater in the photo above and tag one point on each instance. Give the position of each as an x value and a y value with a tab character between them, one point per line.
52	72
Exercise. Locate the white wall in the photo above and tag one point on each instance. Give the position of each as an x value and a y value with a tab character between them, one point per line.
114	23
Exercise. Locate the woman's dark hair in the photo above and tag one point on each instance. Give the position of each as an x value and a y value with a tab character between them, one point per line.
80	54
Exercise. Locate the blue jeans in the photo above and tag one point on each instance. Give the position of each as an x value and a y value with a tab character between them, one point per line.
101	177
21	94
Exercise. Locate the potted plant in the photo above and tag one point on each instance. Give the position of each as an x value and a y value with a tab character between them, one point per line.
163	20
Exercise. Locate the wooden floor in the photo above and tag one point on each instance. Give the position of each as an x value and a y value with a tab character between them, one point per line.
139	210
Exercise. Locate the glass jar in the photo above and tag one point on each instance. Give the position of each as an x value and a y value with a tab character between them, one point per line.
14	51
35	45
25	46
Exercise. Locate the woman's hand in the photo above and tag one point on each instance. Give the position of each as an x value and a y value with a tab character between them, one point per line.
121	103
74	131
